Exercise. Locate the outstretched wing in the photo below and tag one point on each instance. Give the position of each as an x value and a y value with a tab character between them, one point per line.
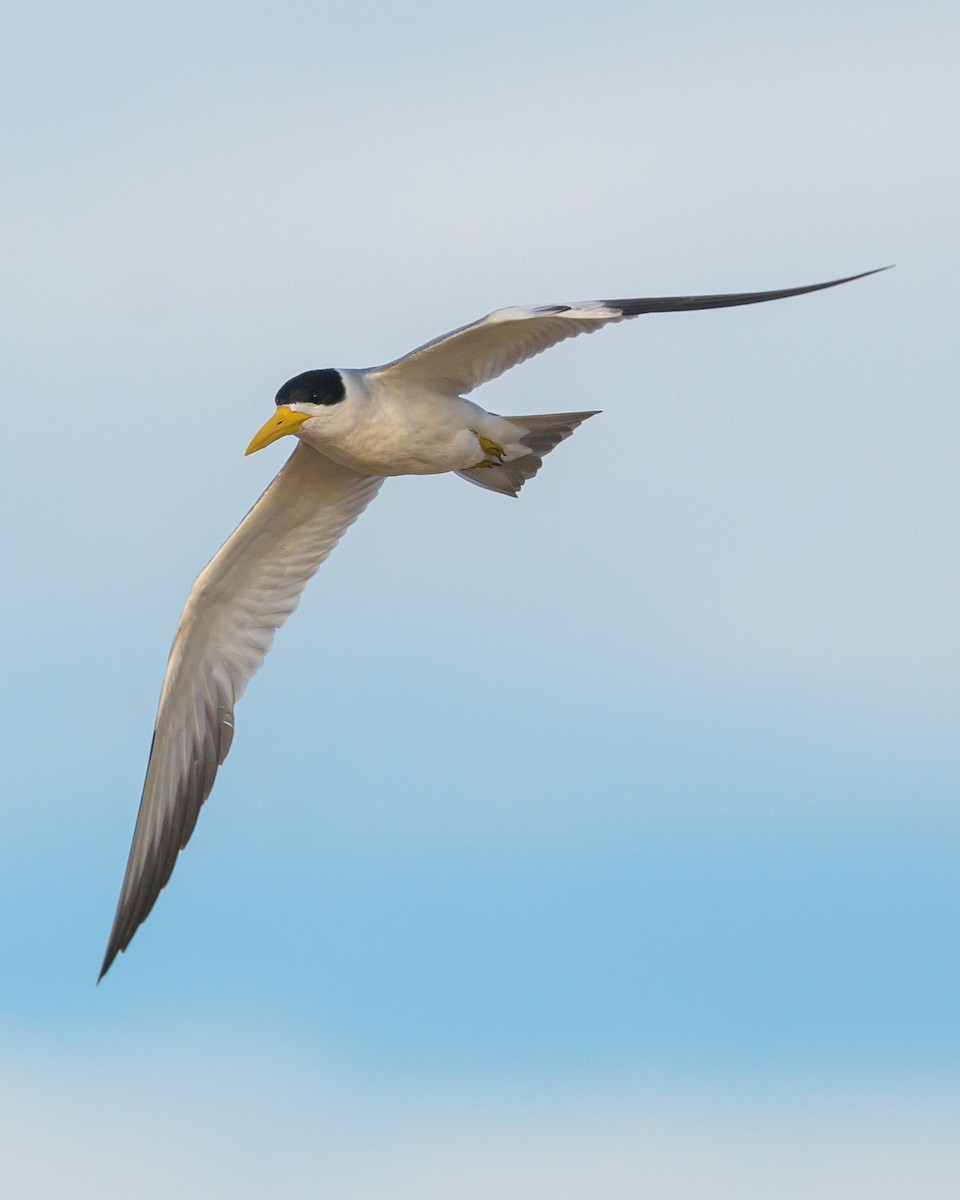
458	362
238	602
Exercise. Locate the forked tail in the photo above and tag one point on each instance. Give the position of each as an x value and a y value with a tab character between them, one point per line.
539	435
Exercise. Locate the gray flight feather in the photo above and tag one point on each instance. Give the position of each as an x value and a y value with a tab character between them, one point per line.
234	608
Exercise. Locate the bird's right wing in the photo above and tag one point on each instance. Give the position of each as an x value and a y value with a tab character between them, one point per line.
461	360
237	603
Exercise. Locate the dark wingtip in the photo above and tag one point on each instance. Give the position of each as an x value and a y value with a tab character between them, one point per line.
114	947
653	304
107	963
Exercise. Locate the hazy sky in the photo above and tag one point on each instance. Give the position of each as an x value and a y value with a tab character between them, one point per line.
599	843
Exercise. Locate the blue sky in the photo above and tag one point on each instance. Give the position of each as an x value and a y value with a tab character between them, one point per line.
604	842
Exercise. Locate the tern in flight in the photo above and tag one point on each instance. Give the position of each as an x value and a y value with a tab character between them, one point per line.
355	428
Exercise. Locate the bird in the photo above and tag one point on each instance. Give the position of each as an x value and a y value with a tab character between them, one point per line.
355	428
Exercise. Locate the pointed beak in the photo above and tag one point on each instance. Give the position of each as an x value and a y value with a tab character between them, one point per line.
283	421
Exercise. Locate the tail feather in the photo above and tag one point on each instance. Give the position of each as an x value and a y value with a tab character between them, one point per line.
539	434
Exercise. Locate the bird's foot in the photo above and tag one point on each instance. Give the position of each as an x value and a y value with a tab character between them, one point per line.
493	451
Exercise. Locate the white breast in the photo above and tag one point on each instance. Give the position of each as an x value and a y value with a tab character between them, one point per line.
378	429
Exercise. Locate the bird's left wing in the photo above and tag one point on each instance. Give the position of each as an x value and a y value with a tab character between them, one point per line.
461	360
235	606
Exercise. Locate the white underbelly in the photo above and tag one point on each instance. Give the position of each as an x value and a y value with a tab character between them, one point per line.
403	436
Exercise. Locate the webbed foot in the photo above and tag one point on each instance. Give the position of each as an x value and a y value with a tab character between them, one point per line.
494	452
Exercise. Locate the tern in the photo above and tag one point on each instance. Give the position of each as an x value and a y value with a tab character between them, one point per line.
355	428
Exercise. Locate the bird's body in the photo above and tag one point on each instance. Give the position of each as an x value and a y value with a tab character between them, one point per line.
356	427
382	429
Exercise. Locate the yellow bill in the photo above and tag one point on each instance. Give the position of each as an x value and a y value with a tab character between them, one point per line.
283	421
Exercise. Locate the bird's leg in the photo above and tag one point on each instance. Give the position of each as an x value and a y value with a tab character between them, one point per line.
492	450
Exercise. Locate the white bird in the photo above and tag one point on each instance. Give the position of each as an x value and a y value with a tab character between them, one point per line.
355	428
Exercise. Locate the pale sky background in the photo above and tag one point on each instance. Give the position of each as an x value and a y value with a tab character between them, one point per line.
603	843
